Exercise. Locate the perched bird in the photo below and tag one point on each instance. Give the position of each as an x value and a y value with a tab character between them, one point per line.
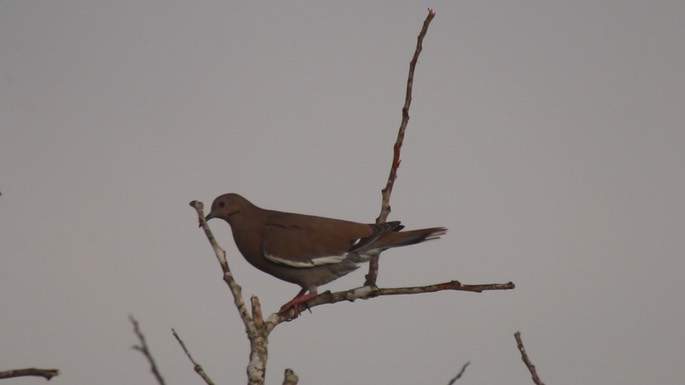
306	250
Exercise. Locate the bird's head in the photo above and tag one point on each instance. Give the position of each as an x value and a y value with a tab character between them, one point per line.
227	205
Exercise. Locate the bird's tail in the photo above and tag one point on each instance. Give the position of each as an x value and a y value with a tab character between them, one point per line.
406	238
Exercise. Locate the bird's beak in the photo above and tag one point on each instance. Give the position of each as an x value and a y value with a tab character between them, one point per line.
208	217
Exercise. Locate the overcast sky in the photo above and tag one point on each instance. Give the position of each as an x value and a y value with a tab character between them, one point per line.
548	136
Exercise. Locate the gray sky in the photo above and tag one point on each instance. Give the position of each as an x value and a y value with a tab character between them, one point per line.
547	136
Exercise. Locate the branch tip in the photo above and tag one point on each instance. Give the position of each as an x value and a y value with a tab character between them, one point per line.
196	366
290	378
372	276
143	348
526	359
458	376
33	372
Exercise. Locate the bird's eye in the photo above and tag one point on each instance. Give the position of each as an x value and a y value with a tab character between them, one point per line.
222	204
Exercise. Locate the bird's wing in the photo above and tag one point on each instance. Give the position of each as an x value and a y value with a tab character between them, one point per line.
305	241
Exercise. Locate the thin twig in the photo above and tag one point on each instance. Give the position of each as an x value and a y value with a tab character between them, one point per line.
143	348
197	367
458	376
35	372
367	292
387	190
526	360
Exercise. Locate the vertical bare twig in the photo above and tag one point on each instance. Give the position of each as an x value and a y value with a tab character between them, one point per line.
526	360
143	348
197	367
387	190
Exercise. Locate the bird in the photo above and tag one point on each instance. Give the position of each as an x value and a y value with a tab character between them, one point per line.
306	250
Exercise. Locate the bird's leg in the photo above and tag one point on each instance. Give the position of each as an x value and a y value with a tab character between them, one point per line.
299	299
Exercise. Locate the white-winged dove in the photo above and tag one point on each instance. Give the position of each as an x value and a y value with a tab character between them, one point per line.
306	250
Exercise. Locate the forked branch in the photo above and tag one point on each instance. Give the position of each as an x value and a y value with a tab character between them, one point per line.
145	350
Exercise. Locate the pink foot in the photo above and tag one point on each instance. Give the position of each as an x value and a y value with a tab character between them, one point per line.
299	299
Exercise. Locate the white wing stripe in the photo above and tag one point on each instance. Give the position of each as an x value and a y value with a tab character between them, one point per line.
327	260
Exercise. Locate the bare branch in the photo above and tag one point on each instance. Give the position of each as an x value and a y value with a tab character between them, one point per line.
290	378
35	372
143	348
458	376
257	313
526	360
256	368
220	253
197	367
367	292
387	190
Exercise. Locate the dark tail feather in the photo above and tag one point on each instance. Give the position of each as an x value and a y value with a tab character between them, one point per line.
406	238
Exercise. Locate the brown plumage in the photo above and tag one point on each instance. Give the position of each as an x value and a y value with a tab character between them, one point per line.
306	250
